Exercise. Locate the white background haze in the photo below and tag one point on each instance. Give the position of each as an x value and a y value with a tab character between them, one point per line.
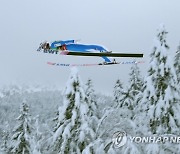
121	26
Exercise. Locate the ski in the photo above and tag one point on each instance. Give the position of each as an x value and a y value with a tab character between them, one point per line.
101	54
95	64
93	54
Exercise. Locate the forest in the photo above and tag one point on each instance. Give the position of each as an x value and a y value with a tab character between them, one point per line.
42	120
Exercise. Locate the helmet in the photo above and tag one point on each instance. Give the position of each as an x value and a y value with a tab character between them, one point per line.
44	44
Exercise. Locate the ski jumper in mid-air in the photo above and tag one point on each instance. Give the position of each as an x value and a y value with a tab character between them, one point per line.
71	45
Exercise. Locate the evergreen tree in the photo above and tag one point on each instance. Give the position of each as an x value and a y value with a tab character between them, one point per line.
122	105
130	97
135	86
21	140
118	93
5	138
72	132
37	137
177	63
120	119
92	104
91	98
95	147
160	96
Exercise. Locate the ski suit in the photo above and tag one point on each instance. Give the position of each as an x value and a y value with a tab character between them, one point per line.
70	45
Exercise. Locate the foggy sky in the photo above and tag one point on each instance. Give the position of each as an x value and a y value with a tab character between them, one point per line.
120	25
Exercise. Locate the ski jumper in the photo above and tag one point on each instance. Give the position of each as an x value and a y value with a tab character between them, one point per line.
70	45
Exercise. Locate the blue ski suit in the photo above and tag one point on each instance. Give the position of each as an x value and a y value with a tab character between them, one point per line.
70	45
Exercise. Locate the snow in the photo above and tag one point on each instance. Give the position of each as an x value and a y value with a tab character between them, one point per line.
66	134
81	136
131	148
152	149
74	116
77	99
169	94
83	109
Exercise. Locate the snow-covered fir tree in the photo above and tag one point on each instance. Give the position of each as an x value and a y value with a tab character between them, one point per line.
135	86
118	93
5	138
92	104
120	100
177	63
91	97
160	97
73	133
4	144
22	141
124	99
116	118
130	97
37	137
133	95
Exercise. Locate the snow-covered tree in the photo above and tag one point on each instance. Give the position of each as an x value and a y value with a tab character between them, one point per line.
130	97
126	99
117	118
92	104
91	97
37	137
120	100
5	138
177	63
72	132
160	97
118	93
135	85
95	147
22	137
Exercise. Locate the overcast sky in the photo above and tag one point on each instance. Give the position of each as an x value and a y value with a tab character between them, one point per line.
120	25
